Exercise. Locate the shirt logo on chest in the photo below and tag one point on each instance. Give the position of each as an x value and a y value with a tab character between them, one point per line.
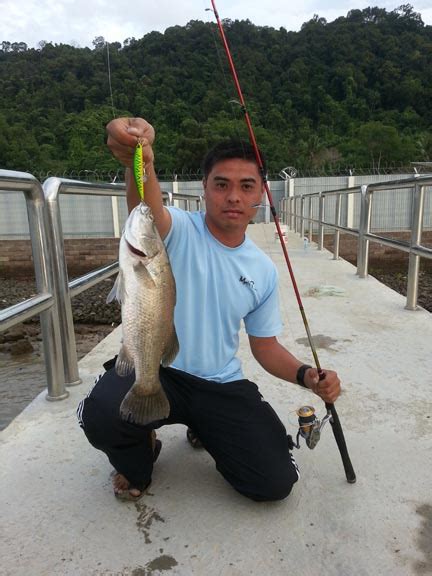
247	282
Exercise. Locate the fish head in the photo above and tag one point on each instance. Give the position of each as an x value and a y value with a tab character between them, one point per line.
141	233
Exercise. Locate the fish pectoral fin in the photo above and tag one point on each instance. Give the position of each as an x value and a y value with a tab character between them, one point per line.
143	275
118	291
124	364
141	409
171	350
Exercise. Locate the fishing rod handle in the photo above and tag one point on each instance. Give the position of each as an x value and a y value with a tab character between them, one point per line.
340	441
339	436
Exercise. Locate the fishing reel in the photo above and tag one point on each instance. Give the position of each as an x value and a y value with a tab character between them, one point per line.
309	427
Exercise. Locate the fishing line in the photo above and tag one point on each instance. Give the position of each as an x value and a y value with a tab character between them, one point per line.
109	79
234	103
138	171
331	410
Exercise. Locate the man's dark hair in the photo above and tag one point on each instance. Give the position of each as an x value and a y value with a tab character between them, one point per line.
229	149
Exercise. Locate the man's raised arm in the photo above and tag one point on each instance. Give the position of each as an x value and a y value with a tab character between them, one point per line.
123	136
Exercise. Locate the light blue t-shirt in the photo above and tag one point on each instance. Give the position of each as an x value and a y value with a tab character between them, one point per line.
217	288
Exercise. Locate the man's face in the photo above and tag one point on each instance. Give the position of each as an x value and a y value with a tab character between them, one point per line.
232	189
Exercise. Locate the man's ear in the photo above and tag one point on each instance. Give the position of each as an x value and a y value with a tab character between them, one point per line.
204	184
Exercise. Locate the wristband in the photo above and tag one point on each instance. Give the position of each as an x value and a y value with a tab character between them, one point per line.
301	374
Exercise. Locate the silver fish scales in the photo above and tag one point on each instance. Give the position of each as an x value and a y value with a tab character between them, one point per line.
145	287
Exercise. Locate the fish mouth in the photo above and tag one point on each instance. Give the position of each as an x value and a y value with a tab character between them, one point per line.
135	250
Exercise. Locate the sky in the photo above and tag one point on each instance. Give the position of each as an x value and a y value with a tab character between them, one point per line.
79	22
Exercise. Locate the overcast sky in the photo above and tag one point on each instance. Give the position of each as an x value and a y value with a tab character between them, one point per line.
78	22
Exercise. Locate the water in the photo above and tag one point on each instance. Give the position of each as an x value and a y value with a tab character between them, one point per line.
23	377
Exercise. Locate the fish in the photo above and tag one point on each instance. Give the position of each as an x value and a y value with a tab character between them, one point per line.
146	290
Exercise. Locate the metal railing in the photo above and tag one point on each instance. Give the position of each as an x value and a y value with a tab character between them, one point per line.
293	214
44	303
54	291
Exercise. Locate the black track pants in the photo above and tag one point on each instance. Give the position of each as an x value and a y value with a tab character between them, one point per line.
236	426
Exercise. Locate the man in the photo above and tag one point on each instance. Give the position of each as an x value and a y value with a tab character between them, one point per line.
222	278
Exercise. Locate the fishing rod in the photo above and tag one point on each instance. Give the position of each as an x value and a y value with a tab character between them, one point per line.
331	410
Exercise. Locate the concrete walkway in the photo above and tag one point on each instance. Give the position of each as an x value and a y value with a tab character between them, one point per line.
59	517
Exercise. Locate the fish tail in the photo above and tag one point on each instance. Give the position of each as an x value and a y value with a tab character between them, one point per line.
142	409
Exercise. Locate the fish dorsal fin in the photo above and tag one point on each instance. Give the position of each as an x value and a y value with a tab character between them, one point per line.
171	349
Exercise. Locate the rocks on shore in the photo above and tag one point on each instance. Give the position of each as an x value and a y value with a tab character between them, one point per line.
16	341
89	307
93	318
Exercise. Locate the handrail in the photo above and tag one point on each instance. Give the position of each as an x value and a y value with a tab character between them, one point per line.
52	188
291	215
188	198
22	311
65	290
92	278
44	303
53	300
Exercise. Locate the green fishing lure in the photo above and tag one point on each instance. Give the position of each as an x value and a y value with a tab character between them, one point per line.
139	170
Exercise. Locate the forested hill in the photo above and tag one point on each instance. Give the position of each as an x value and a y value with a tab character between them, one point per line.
354	92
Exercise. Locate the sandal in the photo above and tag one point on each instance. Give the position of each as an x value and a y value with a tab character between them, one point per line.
125	495
193	439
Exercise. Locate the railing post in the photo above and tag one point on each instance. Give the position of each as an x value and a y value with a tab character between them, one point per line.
292	212
42	252
350	204
364	228
291	192
321	215
414	259
310	228
115	216
61	284
289	218
336	239
282	210
302	222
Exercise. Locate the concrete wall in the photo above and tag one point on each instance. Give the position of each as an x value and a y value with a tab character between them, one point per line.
86	254
86	216
82	255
